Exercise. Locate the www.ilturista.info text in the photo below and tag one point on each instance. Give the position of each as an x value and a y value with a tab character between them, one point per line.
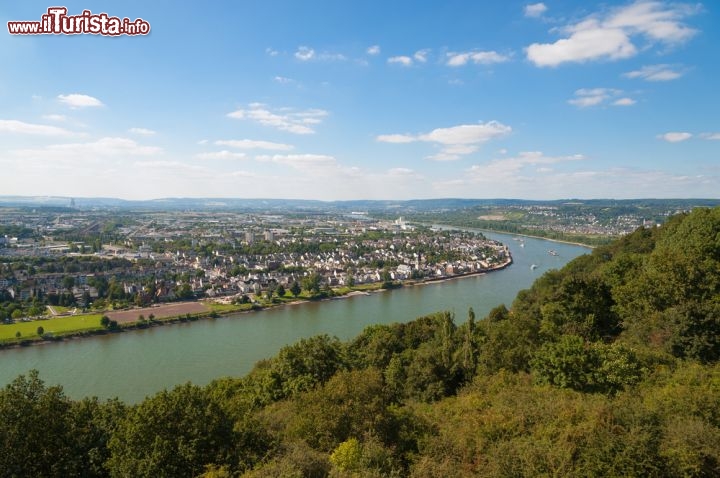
57	22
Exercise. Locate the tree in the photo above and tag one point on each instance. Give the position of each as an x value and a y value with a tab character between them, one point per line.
586	367
174	433
311	283
35	429
92	423
280	291
386	279
185	292
40	330
303	365
105	321
347	455
350	404
295	289
695	330
68	283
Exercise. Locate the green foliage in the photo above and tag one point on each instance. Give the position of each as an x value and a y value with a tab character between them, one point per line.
302	366
351	404
694	330
586	367
311	283
347	455
295	289
174	433
34	430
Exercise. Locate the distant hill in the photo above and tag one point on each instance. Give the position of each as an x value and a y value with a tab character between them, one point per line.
269	204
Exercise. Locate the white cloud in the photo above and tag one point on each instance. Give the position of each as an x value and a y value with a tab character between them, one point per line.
20	127
283	80
224	154
59	118
507	167
325	56
586	97
202	141
467	133
624	102
400	172
396	138
655	73
711	136
562	180
455	141
298	122
675	137
527	170
477	57
271	52
660	21
373	50
72	153
588	42
142	131
609	36
254	144
400	60
305	53
535	10
421	55
300	161
79	101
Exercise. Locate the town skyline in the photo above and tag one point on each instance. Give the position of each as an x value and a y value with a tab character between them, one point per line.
527	100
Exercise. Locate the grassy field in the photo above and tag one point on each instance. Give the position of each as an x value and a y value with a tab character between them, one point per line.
56	326
226	308
59	309
90	322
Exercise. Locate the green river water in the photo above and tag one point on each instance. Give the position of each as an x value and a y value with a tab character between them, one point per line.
136	364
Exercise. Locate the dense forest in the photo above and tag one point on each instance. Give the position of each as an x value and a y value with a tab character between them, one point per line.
608	367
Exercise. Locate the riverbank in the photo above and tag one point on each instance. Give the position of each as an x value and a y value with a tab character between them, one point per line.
559	241
518	234
154	316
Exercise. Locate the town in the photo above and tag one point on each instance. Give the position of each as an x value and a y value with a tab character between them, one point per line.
56	262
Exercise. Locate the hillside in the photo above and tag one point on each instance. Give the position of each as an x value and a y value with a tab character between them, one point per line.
608	367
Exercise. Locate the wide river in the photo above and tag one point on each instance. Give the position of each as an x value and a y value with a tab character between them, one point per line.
136	364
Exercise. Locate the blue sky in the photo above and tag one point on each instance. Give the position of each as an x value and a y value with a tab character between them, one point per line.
366	100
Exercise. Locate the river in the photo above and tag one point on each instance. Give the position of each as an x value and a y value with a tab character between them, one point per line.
136	364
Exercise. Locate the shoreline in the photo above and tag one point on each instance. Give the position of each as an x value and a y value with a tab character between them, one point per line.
519	234
560	241
214	314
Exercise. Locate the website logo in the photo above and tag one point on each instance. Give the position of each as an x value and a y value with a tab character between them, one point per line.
57	22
